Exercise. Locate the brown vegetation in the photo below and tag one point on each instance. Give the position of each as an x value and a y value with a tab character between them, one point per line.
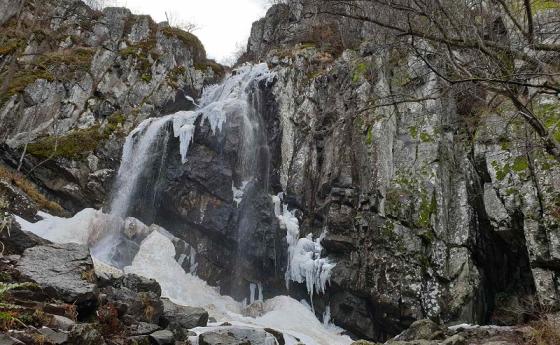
31	190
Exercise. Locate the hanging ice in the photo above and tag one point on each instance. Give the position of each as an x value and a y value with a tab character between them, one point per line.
305	264
238	193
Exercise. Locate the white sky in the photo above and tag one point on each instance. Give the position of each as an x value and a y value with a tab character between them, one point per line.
223	24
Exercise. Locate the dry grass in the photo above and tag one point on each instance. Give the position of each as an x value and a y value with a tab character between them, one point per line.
108	317
31	190
545	331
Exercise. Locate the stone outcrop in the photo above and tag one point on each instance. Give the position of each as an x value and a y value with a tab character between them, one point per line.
82	80
180	319
236	336
64	271
50	288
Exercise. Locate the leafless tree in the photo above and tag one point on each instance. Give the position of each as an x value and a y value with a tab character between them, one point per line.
179	23
507	48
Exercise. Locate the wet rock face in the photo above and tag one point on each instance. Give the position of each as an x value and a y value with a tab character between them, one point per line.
236	242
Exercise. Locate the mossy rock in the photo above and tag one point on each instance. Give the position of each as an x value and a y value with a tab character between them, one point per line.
75	145
428	206
188	40
218	69
22	79
78	59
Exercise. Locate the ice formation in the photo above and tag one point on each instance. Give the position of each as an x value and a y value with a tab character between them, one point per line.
156	255
305	264
217	103
238	193
156	259
63	230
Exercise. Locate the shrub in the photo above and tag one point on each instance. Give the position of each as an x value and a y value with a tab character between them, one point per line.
108	317
545	331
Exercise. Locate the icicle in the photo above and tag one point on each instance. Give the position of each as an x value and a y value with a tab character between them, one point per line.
252	291
305	264
192	262
260	292
327	316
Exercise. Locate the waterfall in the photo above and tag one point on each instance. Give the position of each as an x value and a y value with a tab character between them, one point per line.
217	103
144	152
151	251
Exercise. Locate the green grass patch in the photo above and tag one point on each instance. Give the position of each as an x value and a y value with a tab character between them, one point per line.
78	59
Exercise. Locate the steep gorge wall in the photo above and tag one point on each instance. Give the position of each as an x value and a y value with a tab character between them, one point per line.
433	208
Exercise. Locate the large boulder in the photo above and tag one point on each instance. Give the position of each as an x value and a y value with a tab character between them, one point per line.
179	319
64	271
422	330
236	336
136	299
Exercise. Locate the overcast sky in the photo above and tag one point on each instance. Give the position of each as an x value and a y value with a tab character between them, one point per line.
223	24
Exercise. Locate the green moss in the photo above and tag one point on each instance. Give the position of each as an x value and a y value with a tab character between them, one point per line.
511	191
174	75
543	5
520	164
76	59
75	145
428	206
550	115
114	124
146	77
425	137
218	69
505	144
369	136
144	54
24	78
413	132
187	38
307	45
501	172
359	71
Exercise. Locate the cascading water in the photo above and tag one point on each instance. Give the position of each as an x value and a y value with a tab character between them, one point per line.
154	252
144	153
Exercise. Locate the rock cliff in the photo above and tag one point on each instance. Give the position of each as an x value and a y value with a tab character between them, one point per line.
438	208
76	81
